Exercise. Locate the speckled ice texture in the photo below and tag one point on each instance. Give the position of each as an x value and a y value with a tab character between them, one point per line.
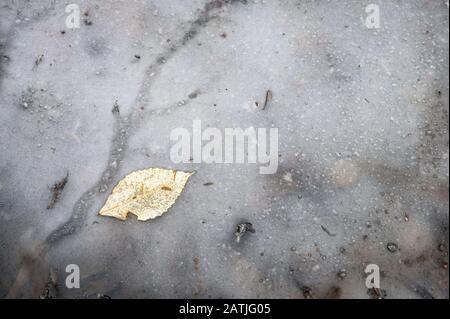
363	147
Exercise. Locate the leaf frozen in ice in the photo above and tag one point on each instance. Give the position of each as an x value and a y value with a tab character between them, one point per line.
147	193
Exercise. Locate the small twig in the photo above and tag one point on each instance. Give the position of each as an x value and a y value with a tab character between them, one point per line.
268	99
57	190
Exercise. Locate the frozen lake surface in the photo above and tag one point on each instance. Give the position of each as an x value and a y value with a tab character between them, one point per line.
363	173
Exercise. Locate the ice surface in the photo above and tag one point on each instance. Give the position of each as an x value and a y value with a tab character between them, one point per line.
363	141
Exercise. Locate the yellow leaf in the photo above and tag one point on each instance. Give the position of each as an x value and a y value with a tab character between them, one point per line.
147	193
